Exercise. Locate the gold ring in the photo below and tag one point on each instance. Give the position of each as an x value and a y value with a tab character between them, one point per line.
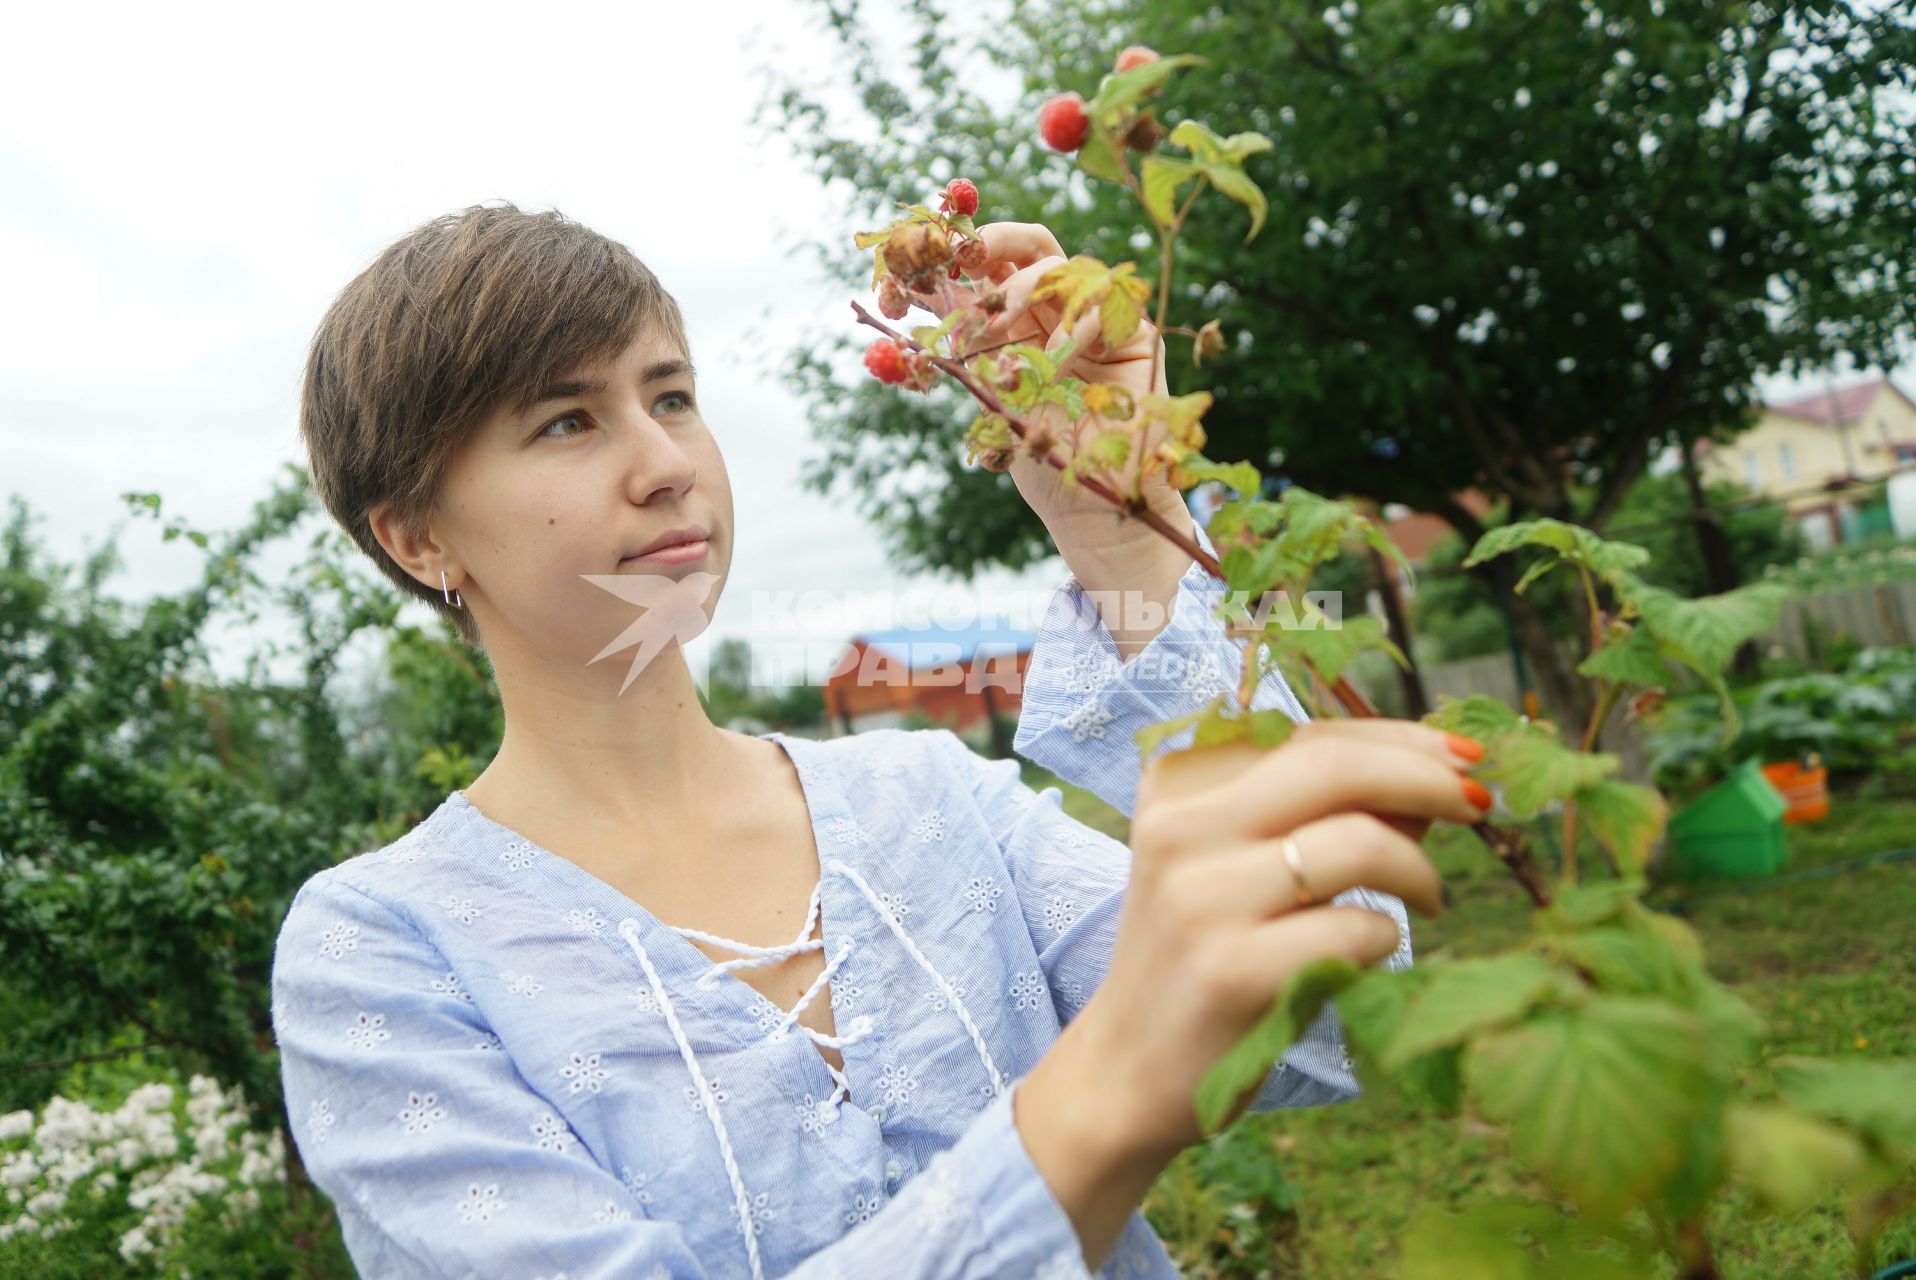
1295	862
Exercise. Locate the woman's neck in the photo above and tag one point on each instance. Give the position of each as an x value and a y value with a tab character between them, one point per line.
646	759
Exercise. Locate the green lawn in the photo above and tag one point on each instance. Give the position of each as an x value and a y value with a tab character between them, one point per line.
1324	1194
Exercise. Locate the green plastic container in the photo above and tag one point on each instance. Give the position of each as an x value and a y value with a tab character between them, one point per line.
1735	829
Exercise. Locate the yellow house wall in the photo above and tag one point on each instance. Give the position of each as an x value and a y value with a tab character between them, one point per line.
1815	450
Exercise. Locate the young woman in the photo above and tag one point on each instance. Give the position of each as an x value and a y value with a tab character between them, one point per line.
654	999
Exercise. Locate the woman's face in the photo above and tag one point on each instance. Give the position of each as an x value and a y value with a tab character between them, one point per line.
614	473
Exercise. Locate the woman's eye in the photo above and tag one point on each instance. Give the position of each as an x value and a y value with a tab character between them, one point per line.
547	432
681	397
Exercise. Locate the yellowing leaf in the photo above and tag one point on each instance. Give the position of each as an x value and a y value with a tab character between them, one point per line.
1790	1160
1085	282
1626	818
1160	177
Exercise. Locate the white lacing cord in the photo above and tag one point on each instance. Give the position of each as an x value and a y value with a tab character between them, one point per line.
750	956
924	962
629	930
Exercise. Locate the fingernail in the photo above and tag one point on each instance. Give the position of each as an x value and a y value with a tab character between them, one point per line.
1469	750
1477	794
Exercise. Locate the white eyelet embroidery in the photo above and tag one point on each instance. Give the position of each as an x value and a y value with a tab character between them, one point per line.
897	905
1060	913
320	1121
635	1183
845	831
517	856
552	1134
845	993
936	998
1066	1264
585	1072
451	986
815	1116
941	1202
930	827
1086	721
521	984
421	1112
1027	990
481	1204
643	998
611	1212
1071	993
765	1013
460	909
697	1103
895	1086
863	1207
1088	672
407	849
982	892
489	1041
338	940
589	921
367	1030
762	1213
1203	676
885	766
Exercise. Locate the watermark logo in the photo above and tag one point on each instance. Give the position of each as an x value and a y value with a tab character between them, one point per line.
674	612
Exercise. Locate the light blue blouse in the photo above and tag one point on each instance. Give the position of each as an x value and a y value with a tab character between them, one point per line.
497	1065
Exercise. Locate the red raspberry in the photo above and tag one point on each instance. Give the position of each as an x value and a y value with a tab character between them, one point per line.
961	197
1063	123
1136	56
886	360
893	302
972	256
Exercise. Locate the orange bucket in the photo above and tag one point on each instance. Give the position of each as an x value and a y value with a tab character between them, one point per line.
1805	791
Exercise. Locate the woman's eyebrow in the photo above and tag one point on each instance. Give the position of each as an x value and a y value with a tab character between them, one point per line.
571	387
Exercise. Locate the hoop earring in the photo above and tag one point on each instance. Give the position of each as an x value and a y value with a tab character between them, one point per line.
460	602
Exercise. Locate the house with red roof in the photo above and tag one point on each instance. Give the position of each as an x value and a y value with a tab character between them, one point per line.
1807	450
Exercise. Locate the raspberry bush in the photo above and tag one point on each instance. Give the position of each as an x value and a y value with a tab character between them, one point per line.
1625	1076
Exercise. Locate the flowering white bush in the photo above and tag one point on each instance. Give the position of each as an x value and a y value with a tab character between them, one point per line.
154	1157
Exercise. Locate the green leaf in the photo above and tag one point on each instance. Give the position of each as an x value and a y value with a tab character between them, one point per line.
1465	997
1626	818
1571	542
1704	634
1101	157
1449	1246
1240	476
1370	1011
1513	1240
1479	716
1632	659
1790	1160
1237	184
1600	1099
1537	769
1329	651
1876	1099
1246	1063
1122	90
1160	177
1151	736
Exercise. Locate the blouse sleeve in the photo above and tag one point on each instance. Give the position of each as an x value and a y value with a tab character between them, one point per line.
1081	708
443	1161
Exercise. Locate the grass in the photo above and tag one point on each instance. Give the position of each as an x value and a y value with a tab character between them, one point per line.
1830	964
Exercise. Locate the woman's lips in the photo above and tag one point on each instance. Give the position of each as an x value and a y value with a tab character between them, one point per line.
679	553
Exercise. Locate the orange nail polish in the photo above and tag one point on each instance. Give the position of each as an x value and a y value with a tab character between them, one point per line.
1464	748
1477	794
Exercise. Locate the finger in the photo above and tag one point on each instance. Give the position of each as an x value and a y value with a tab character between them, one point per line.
1314	777
1342	852
1019	244
1453	748
1019	317
1282	946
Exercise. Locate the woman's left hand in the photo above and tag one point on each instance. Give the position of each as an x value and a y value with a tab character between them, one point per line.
1021	254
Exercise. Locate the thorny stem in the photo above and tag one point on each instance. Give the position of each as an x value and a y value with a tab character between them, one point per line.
1509	844
1167	241
1606	699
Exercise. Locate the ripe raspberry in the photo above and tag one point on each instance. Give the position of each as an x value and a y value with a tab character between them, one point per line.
1063	123
1137	55
893	302
961	197
886	360
972	256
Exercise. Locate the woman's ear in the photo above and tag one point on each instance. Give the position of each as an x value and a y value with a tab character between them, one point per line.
413	550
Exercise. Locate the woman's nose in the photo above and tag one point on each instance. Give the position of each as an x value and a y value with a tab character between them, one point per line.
659	464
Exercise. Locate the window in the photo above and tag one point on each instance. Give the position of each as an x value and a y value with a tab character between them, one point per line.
1752	469
1785	461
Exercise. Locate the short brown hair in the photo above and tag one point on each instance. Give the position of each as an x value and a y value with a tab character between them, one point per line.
469	313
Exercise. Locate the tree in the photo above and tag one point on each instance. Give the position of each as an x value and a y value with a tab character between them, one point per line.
1516	245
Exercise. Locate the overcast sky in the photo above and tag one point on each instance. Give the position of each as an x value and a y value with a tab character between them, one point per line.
184	188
